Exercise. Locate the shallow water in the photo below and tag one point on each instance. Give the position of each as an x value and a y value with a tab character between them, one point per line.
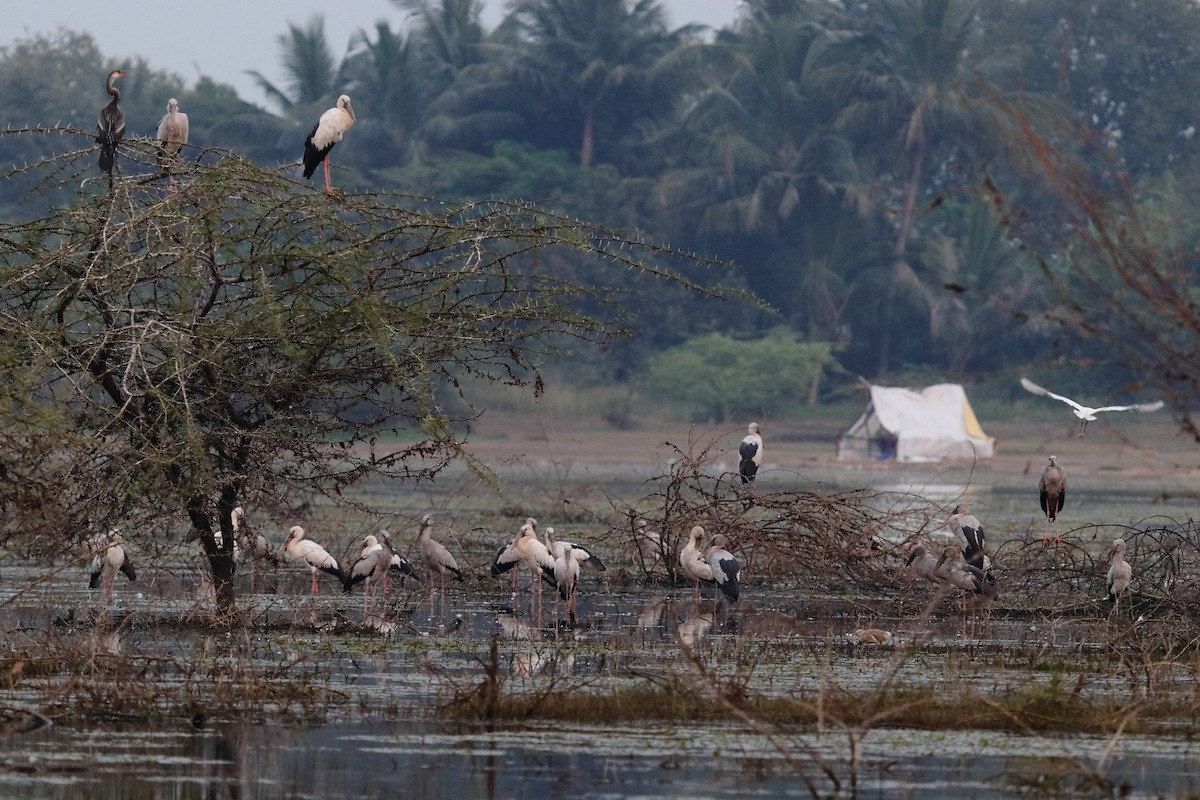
793	643
422	759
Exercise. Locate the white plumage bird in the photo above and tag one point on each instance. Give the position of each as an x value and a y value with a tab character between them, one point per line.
968	532
297	548
750	453
172	134
1087	414
1120	574
584	557
566	577
370	568
528	550
108	559
328	131
694	567
713	564
726	571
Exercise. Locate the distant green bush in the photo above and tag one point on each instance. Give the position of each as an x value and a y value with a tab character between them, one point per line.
716	377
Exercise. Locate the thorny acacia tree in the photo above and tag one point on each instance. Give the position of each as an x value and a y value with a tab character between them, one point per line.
172	352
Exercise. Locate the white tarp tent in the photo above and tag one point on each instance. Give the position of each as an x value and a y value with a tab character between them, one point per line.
928	424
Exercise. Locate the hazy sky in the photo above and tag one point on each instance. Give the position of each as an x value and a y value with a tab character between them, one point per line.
223	38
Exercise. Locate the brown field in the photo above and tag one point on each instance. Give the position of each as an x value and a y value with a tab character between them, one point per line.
1131	448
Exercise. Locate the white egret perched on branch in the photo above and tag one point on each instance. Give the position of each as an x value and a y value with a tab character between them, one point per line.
1087	414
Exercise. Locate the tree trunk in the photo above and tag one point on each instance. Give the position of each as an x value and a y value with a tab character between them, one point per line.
220	559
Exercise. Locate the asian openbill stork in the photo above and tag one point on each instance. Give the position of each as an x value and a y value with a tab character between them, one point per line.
297	548
1052	494
968	532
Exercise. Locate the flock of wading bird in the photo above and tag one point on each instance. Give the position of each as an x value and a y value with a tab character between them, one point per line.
965	565
548	560
172	132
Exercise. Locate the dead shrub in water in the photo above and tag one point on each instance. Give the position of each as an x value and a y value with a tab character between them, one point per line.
831	539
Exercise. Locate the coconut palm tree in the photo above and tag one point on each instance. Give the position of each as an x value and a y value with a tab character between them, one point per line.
592	69
911	79
309	65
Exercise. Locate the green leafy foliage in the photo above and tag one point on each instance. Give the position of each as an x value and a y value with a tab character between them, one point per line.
716	377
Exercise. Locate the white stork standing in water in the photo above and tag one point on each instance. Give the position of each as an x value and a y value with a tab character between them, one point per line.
1052	494
110	127
585	558
1087	414
968	532
370	569
172	135
750	453
1120	574
437	558
726	570
713	564
693	566
566	578
109	558
297	548
328	131
528	550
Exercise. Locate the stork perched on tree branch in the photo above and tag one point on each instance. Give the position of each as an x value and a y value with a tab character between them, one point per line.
328	131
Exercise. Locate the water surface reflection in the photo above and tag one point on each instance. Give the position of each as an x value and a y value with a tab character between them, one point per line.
426	760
